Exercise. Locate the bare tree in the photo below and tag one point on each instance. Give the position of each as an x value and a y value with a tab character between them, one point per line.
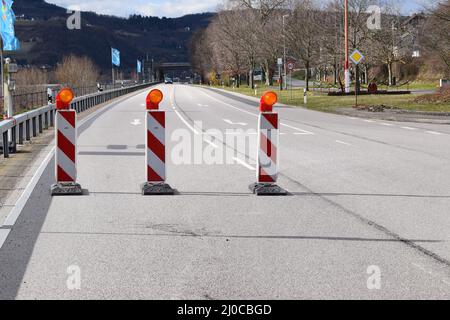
200	53
302	33
77	72
437	29
31	76
266	8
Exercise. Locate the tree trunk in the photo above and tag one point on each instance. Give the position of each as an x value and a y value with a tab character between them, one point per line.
307	76
390	75
336	71
267	73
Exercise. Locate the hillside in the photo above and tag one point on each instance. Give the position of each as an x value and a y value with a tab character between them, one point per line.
41	29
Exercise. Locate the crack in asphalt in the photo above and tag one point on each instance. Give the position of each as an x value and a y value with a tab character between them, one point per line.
411	244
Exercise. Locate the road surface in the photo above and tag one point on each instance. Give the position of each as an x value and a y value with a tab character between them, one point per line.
367	216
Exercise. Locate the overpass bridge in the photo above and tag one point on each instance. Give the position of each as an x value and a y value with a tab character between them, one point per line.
173	70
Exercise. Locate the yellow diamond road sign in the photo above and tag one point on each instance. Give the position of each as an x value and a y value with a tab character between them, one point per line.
356	57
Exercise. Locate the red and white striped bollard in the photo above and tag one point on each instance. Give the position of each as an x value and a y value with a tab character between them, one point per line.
66	146
267	155
155	155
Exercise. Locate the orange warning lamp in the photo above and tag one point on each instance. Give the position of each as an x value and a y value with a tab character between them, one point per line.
64	98
268	99
153	99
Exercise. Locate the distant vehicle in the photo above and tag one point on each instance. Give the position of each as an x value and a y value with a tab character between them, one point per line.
168	81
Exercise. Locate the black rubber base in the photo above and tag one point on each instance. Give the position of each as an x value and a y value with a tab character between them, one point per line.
66	189
155	189
266	189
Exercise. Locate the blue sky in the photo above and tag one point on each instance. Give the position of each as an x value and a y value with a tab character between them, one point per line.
173	8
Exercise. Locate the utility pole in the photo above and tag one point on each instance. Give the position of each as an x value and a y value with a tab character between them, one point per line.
347	62
284	52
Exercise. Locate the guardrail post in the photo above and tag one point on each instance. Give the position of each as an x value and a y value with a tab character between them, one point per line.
40	126
14	139
21	133
46	120
27	130
33	125
51	118
5	145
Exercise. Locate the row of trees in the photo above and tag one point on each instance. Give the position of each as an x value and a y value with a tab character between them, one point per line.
74	71
249	34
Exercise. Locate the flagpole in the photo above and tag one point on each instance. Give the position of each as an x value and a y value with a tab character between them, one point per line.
2	82
113	82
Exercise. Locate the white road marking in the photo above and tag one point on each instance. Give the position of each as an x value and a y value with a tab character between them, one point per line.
353	118
256	115
433	132
235	123
408	128
186	123
300	131
202	105
370	121
136	122
212	144
386	124
3	235
342	142
21	202
227	104
245	164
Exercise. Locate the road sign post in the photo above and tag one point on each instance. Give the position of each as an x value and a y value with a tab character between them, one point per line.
356	58
280	78
291	67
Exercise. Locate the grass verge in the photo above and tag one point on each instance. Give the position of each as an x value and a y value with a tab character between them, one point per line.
322	102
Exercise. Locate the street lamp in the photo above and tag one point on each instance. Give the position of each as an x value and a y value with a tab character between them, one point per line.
347	61
284	52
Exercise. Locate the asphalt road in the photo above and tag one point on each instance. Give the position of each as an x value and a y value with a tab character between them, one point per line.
365	195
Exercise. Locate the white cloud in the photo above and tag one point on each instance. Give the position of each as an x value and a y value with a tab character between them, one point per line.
123	8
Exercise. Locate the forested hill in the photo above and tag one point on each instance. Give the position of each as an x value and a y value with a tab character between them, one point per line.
45	38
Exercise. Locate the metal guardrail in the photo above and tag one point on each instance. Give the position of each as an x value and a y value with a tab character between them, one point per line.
30	124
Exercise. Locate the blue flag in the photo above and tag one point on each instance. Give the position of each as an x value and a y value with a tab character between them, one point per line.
115	54
139	66
7	20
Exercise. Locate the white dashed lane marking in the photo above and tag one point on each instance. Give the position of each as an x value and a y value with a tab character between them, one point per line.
434	132
342	142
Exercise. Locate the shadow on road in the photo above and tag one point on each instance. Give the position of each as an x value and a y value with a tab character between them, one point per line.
18	248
